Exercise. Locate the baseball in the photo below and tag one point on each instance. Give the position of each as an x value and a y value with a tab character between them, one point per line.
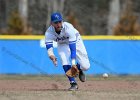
105	75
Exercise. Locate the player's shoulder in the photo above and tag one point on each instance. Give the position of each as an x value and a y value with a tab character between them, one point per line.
49	30
69	28
67	25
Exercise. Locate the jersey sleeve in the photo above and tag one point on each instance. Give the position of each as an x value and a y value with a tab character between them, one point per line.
49	43
48	40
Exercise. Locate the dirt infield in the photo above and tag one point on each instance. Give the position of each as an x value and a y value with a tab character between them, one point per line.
55	88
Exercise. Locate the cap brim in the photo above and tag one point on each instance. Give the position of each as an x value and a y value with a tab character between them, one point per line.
56	21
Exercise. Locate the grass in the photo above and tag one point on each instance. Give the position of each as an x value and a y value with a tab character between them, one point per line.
62	77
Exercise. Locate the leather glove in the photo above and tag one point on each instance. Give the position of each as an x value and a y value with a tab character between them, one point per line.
73	72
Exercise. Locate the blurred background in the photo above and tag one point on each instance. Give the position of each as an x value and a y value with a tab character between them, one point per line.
92	17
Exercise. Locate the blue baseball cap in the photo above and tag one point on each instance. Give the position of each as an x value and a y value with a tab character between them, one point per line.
55	17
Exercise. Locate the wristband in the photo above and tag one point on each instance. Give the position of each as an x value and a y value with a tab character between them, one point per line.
73	62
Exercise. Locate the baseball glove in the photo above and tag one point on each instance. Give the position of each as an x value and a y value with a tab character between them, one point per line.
73	72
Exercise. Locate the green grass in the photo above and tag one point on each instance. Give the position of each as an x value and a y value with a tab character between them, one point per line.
32	77
62	77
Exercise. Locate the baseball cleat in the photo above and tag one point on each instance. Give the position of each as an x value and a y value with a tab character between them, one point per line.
73	87
82	76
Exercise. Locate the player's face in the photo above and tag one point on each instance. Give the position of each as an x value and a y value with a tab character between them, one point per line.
57	25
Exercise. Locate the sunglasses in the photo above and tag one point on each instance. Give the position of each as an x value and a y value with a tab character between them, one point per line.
57	22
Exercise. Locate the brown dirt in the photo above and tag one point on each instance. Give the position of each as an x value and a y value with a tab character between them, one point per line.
97	89
44	85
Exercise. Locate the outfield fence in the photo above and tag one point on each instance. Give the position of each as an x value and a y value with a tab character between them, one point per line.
107	54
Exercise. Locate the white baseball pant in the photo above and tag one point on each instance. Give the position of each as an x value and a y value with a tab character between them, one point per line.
81	54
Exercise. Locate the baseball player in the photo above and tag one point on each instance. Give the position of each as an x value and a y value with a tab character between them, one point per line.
71	49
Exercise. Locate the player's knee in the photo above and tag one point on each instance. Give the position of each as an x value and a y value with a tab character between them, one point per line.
85	66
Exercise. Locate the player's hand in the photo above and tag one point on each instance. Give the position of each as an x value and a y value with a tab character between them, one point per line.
54	60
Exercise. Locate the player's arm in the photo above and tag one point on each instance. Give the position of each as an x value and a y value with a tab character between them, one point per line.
49	47
72	46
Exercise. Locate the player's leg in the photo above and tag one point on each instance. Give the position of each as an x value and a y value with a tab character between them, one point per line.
81	55
73	83
82	58
64	53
